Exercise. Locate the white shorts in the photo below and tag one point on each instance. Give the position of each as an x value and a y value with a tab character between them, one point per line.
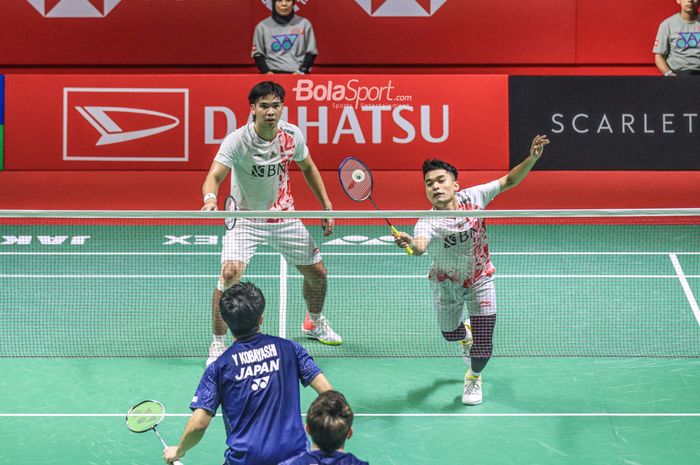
290	238
451	300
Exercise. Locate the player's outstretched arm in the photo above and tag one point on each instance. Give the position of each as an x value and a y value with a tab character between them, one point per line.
320	383
194	430
518	173
216	175
419	244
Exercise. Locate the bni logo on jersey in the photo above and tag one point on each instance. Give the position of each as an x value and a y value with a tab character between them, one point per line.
401	8
74	8
125	124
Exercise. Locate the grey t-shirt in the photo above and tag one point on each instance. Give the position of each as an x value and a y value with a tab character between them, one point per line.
284	46
679	42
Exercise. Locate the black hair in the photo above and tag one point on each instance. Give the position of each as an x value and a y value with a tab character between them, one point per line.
329	419
263	89
283	20
435	164
241	307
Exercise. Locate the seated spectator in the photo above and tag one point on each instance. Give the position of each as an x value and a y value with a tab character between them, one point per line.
284	42
329	422
677	45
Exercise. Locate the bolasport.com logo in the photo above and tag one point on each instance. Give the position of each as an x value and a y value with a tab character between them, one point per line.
349	94
74	8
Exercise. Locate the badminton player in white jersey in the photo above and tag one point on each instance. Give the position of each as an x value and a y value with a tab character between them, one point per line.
258	156
461	272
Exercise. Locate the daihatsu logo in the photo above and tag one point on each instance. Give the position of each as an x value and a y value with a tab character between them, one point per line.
112	133
125	124
74	8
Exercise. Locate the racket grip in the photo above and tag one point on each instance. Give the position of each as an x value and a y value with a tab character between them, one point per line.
177	462
395	233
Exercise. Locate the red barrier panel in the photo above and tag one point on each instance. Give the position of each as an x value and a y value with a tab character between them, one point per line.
349	32
176	122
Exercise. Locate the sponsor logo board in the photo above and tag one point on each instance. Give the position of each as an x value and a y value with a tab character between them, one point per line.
125	124
74	8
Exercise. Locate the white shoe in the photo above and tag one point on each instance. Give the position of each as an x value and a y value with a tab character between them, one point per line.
472	390
215	350
466	344
321	331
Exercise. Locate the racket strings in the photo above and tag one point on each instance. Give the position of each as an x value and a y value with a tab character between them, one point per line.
356	179
145	416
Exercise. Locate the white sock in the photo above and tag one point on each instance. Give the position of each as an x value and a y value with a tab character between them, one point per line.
220	339
473	374
314	316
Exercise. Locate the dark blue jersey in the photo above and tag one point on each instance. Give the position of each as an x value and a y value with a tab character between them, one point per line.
316	457
256	382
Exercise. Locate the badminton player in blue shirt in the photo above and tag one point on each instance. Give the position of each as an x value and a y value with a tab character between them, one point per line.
256	383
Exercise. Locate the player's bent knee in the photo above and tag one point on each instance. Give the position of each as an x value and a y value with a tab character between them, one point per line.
481	350
455	335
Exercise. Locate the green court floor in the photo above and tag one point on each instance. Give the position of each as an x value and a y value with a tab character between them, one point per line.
536	411
597	345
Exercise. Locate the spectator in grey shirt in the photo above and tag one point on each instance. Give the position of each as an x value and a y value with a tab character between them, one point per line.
677	45
284	42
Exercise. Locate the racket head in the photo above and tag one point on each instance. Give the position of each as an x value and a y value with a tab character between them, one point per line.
355	178
230	206
145	416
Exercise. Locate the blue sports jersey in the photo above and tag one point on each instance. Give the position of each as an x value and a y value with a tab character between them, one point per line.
316	457
256	382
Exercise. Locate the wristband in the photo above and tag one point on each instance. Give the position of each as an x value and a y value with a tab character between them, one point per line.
668	73
209	196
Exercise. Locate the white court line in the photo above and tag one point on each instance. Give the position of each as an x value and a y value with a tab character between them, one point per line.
384	415
282	329
686	287
349	276
396	254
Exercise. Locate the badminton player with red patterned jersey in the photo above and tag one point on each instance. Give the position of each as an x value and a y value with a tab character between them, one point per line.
461	272
258	157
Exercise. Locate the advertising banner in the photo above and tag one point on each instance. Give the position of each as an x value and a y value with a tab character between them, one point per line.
220	32
2	122
177	122
607	123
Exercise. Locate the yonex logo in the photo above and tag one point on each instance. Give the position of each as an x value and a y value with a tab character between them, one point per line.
688	40
260	383
401	8
74	8
283	42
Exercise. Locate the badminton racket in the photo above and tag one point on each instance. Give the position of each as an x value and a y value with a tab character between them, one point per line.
357	183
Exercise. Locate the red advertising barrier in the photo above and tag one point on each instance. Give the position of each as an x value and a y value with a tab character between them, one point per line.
176	122
349	32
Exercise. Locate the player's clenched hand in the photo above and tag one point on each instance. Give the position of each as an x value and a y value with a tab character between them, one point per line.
537	146
210	207
327	225
403	240
170	454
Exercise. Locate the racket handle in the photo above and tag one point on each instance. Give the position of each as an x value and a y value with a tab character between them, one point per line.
395	233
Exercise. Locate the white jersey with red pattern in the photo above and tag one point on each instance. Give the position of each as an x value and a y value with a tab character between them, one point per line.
260	168
458	247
